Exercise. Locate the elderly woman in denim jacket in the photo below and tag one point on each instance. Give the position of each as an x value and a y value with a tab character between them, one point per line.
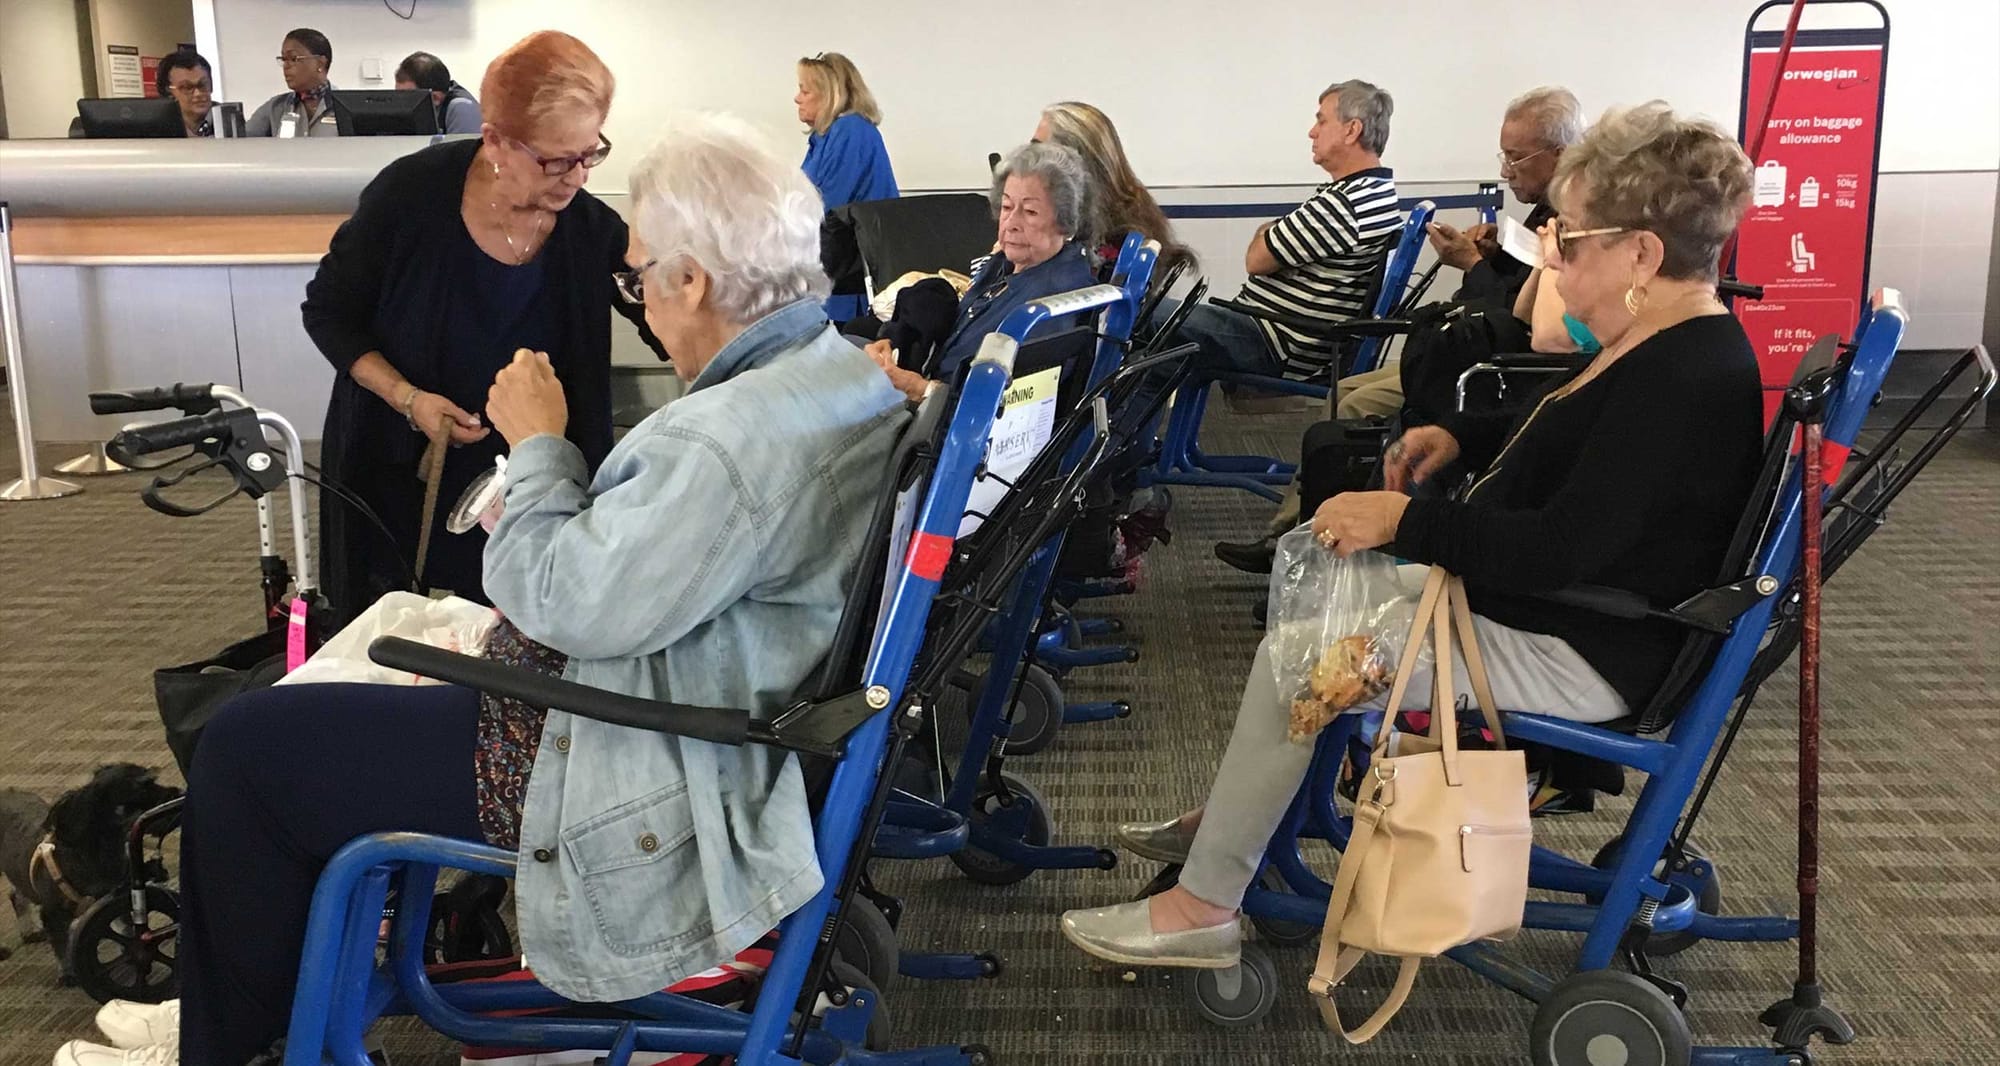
704	563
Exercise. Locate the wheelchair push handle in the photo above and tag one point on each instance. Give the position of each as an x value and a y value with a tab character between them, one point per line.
715	724
190	399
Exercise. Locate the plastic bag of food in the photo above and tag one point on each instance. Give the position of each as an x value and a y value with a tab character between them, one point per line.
1335	629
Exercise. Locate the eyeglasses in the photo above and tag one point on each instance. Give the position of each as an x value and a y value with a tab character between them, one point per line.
202	86
558	165
632	283
1509	162
1565	236
286	61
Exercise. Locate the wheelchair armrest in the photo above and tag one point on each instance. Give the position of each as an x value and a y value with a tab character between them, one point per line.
715	724
1531	361
1711	610
1353	327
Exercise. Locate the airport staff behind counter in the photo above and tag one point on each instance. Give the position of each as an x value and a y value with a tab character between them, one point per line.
305	108
457	110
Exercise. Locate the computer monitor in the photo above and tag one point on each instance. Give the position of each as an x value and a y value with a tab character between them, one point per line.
131	116
384	112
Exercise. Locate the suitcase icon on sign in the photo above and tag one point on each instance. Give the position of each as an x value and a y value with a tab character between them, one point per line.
1769	191
1809	192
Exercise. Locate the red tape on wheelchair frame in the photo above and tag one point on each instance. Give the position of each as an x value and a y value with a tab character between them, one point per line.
1832	457
928	554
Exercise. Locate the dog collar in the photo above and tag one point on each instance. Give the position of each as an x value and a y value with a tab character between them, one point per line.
45	857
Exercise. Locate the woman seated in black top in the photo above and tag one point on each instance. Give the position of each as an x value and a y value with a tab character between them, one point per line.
1631	473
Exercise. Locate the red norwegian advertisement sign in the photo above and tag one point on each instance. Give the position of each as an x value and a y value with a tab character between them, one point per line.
1806	236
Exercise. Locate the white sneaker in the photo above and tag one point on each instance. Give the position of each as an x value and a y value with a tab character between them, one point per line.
85	1053
134	1025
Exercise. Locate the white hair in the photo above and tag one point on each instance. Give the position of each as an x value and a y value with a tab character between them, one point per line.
712	191
1553	111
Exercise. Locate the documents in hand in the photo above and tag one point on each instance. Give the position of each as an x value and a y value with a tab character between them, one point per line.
1520	242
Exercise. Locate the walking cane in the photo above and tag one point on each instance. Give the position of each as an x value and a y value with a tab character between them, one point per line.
1802	1016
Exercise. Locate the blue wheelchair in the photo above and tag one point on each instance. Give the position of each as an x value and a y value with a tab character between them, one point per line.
992	824
1649	891
1181	460
855	724
1023	678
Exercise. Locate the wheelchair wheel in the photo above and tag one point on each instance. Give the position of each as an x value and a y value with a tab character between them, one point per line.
466	923
1707	892
867	942
1607	1016
1240	996
114	959
1038	711
1278	931
1026	819
880	1031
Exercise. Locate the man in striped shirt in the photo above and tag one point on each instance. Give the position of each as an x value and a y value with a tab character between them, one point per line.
1316	262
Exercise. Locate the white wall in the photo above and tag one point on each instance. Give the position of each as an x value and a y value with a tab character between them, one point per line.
39	42
1209	95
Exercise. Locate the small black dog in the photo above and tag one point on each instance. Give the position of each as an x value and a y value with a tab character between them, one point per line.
61	858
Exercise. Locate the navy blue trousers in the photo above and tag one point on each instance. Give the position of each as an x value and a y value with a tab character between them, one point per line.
283	777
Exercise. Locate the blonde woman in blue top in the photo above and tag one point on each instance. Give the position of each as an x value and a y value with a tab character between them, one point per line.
845	158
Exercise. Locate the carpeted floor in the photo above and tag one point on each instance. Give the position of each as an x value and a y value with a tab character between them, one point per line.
97	591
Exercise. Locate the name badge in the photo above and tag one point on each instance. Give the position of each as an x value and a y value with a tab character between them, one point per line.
289	126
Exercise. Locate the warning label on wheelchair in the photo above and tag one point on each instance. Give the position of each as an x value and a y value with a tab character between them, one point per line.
1027	420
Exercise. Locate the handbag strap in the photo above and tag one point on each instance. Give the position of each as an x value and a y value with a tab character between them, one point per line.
1475	666
1427	604
1444	695
1336	962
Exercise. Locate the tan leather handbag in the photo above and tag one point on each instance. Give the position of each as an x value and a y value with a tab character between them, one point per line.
1439	852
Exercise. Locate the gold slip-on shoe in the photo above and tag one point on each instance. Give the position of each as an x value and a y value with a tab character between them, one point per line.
1159	841
1124	934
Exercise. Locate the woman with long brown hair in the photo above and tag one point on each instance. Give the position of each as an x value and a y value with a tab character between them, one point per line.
1121	205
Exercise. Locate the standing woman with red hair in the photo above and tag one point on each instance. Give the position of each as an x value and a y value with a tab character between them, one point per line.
456	256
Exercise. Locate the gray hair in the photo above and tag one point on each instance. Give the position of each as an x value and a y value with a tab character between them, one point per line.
1368	104
711	191
1553	112
1645	168
1061	172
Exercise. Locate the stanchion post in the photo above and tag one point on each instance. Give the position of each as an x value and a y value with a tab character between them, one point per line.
30	485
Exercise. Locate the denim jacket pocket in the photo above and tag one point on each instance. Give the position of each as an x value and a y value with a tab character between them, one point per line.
631	859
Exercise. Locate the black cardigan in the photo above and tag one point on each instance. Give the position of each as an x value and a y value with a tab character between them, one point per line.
386	272
1635	481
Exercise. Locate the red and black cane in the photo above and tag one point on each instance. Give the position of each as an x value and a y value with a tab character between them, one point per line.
1804	1015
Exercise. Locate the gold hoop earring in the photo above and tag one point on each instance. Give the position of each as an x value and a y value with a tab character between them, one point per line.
1635	299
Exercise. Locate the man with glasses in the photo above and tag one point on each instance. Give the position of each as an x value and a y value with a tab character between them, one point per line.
305	108
184	77
1538	125
1535	129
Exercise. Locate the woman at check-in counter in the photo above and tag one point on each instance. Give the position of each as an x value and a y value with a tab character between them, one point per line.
184	77
305	108
456	257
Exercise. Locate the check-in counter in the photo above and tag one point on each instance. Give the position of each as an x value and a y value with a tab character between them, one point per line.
149	262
